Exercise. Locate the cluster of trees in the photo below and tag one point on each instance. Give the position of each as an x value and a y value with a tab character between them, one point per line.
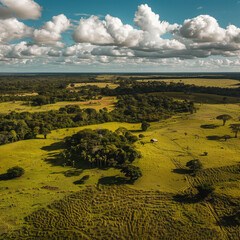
103	148
149	107
18	126
235	126
134	87
51	88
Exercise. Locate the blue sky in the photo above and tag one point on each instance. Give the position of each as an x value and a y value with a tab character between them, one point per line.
121	36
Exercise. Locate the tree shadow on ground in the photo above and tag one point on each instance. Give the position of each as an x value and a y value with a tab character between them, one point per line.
209	126
137	131
4	177
214	137
113	180
229	221
182	171
54	147
82	180
188	198
55	159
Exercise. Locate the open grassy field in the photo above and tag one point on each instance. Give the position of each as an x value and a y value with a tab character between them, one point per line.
223	83
99	84
20	197
120	212
20	106
146	208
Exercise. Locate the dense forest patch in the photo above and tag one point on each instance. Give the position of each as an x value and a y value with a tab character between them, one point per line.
102	148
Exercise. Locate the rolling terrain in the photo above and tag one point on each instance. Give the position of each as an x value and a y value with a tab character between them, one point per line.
180	139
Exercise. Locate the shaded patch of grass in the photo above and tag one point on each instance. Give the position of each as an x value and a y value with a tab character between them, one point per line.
82	180
112	180
74	172
210	126
214	137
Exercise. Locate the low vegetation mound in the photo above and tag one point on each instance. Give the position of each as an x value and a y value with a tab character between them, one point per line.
119	212
15	172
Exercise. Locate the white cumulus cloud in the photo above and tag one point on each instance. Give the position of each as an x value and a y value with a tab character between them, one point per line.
11	29
24	9
50	33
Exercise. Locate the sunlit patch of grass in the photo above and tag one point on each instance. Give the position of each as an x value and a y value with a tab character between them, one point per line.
120	212
20	106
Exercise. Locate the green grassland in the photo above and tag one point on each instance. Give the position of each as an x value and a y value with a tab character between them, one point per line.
146	208
99	84
20	106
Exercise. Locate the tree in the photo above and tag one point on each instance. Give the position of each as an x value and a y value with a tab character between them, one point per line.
44	131
226	137
12	136
15	172
224	117
132	172
145	125
235	128
194	165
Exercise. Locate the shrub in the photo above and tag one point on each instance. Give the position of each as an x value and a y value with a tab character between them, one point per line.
141	136
205	190
132	172
194	165
145	125
15	172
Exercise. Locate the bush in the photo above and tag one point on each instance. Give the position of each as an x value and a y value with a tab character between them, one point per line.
132	172
194	165
145	125
205	190
15	172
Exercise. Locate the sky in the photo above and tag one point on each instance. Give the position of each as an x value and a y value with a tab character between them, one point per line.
119	36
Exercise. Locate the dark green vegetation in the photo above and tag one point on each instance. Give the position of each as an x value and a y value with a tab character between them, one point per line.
103	148
194	165
224	118
235	128
13	172
18	126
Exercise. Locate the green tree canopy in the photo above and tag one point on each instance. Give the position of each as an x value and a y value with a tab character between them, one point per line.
224	117
235	128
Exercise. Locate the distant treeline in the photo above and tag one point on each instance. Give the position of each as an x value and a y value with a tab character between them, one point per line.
133	87
18	126
53	88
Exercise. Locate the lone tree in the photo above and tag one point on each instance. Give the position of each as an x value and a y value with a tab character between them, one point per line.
194	165
235	128
15	172
145	125
44	131
224	117
226	137
132	172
